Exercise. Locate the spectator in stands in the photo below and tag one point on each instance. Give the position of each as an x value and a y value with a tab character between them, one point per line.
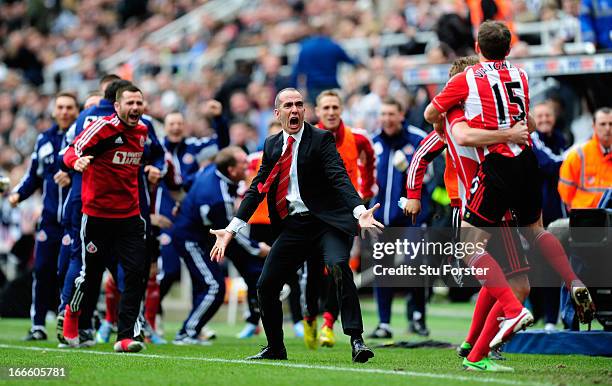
317	65
585	179
596	23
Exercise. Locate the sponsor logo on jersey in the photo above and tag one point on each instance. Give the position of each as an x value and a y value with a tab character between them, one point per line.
91	247
41	236
119	141
188	158
66	240
127	157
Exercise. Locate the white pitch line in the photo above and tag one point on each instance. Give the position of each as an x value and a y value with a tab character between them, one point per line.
283	364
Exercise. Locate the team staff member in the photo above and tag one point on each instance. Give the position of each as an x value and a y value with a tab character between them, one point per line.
109	153
70	261
585	179
395	147
44	173
210	204
357	154
186	153
314	205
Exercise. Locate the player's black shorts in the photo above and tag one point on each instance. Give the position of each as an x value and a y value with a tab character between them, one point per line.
503	183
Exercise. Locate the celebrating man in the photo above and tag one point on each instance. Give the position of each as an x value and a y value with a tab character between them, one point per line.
317	210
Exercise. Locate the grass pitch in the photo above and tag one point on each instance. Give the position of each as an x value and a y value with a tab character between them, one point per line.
223	364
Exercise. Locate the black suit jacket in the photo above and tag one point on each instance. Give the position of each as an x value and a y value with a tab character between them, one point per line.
325	186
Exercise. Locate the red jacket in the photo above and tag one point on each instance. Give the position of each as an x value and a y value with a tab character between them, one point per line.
110	183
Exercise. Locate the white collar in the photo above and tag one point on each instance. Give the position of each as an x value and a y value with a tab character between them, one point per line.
297	135
224	177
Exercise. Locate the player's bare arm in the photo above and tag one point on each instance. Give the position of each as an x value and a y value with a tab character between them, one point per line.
468	136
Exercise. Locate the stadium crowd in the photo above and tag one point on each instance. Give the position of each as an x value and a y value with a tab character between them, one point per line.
218	108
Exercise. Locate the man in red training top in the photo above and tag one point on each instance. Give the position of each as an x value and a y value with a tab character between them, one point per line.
108	153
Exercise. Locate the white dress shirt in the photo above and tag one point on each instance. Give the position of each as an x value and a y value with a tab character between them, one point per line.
296	205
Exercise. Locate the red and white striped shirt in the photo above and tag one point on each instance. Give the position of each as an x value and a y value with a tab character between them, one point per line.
495	96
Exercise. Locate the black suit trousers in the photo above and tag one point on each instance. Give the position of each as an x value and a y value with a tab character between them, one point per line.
301	238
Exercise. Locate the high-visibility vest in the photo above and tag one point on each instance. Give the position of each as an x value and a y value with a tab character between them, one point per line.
261	215
585	176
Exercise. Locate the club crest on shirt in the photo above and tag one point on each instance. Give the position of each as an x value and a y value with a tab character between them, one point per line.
142	140
41	236
91	248
66	240
188	159
408	149
165	239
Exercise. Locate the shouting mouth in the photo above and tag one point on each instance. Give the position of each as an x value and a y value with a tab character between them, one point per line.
294	121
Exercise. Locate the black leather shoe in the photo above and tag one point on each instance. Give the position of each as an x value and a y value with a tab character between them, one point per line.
268	353
361	352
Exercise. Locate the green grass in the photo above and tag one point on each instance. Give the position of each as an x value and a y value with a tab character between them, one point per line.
221	363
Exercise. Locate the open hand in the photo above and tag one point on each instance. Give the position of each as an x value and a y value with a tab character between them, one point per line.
367	222
217	253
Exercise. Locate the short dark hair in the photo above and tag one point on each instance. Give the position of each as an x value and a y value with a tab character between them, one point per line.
110	94
331	92
129	88
494	40
277	98
108	78
461	63
394	102
603	110
226	158
67	94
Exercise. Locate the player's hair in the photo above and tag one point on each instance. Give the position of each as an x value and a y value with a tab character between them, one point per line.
331	92
277	98
130	88
108	78
603	110
110	94
173	112
67	94
461	63
274	123
226	158
494	40
392	101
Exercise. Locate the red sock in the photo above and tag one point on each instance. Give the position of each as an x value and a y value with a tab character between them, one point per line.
491	327
152	301
495	281
328	320
484	303
553	252
71	323
111	297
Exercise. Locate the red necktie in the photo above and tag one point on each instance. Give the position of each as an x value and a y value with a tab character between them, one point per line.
281	169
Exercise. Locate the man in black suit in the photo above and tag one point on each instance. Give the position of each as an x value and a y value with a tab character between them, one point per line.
315	207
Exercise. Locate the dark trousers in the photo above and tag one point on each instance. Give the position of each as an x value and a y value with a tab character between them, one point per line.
301	238
207	285
44	286
265	233
106	241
